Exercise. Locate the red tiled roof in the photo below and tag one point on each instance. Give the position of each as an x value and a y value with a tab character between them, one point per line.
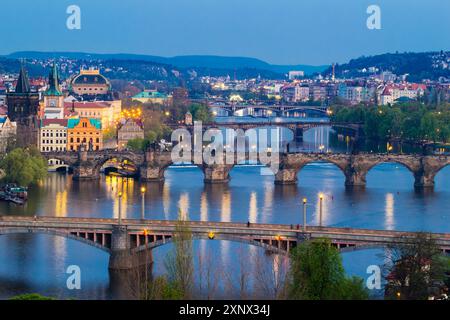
46	122
3	110
101	104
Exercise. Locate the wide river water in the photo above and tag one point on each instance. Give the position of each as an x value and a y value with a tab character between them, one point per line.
38	263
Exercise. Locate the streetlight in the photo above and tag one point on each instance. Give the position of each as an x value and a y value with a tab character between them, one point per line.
304	214
120	208
143	202
320	208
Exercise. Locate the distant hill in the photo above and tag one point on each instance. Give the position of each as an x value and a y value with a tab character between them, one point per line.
192	61
419	65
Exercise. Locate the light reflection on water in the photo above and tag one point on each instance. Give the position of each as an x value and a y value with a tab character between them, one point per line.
37	263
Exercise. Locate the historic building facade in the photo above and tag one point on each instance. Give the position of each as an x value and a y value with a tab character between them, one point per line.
23	108
8	131
53	135
90	83
108	112
53	105
84	131
130	129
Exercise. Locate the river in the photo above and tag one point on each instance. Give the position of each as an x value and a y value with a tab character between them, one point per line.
38	263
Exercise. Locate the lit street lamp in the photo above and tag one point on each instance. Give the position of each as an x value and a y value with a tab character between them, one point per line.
304	214
143	203
320	208
120	208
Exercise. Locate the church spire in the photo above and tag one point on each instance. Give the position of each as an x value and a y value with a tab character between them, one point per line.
23	84
53	85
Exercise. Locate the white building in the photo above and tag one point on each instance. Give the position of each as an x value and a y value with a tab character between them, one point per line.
53	137
396	91
295	74
354	94
8	130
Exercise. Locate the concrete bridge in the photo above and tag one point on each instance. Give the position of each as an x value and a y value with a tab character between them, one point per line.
128	240
297	127
153	164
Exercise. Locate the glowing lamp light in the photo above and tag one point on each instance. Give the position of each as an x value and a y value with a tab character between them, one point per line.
143	189
120	194
146	233
304	200
211	235
321	196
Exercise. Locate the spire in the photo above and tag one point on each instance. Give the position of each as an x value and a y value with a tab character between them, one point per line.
53	85
23	84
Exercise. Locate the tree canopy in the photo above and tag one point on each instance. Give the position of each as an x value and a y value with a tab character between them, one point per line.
317	273
408	121
23	166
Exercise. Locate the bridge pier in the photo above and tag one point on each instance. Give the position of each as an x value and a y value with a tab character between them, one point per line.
217	173
151	173
85	171
286	176
423	180
355	179
122	257
298	135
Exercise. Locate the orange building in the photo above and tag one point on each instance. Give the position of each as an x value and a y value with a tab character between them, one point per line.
84	131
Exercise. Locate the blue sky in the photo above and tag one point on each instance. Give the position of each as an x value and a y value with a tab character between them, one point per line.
277	31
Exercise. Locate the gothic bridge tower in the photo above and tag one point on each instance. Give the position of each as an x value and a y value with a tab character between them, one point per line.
23	107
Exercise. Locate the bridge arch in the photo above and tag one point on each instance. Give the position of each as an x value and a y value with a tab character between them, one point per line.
218	237
121	158
368	170
339	164
52	232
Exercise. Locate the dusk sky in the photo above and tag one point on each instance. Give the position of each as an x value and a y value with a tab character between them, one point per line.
277	31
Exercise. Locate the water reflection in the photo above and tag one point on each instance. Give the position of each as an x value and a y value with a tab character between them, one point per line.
389	225
37	263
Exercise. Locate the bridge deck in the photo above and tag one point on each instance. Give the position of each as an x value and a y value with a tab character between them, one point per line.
138	225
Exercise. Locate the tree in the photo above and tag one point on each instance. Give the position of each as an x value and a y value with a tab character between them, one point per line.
415	268
30	296
200	112
180	263
138	144
24	166
317	274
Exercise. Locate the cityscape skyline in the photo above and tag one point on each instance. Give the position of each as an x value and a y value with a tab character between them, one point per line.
303	31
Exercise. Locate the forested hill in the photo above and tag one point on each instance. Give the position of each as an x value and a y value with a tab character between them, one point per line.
419	66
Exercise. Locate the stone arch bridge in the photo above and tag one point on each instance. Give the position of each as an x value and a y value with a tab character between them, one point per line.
152	165
127	241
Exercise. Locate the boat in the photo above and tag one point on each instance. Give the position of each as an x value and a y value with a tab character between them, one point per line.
127	170
16	191
13	193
